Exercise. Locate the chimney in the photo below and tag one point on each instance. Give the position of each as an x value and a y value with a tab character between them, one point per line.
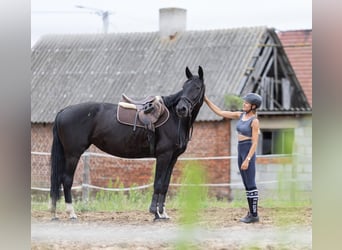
172	22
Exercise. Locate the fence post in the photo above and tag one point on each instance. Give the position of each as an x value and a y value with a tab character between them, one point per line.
86	173
294	176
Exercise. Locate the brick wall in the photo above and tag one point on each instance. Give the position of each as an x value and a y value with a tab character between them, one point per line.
208	139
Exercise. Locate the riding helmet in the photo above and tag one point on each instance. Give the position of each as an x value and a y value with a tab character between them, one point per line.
253	98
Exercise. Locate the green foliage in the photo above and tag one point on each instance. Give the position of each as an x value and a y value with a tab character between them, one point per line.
284	141
233	102
106	200
192	198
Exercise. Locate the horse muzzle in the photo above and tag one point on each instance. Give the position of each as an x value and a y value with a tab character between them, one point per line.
183	109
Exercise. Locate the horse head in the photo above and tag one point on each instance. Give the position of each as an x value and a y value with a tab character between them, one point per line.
192	94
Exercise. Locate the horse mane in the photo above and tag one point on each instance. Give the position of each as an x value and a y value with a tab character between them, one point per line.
171	100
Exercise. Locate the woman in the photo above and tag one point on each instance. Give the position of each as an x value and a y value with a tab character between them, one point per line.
248	132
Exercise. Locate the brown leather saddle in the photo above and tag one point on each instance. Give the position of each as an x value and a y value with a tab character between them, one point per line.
148	113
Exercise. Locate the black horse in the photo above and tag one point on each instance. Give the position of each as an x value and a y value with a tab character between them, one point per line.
77	127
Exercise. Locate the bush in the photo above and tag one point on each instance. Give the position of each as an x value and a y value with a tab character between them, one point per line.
233	102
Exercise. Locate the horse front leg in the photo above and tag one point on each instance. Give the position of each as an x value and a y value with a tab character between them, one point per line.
156	189
157	206
158	198
154	208
163	185
154	202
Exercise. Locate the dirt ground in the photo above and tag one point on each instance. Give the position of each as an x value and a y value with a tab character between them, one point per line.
217	228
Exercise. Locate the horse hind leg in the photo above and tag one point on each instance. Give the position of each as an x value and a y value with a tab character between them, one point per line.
71	164
161	210
52	208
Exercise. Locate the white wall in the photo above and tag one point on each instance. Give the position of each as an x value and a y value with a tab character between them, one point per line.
269	175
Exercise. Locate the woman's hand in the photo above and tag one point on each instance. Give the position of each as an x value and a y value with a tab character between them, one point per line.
245	164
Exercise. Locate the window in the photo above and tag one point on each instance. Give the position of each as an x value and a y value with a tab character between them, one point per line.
276	141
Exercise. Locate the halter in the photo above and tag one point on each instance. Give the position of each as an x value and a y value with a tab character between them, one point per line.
192	105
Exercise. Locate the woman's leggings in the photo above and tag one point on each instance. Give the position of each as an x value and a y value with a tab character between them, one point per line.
248	176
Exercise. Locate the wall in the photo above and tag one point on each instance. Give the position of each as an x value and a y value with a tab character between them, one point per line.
208	139
273	170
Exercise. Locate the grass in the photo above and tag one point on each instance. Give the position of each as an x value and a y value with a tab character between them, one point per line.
193	173
140	200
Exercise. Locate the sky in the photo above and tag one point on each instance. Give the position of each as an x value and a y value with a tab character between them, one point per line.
63	17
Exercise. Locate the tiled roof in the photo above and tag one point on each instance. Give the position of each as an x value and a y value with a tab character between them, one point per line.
69	69
298	47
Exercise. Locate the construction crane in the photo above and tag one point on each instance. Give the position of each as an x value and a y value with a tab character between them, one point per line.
103	13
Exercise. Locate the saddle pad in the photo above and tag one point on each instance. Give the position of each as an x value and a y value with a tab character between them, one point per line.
129	116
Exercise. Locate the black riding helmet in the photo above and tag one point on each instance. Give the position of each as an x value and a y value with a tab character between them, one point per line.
253	99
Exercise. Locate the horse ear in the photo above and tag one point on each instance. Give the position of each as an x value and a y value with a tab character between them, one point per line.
188	73
200	72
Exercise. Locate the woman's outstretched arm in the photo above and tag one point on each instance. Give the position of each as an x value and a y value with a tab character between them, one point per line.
220	112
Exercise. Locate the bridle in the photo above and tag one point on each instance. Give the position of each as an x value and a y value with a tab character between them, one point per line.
195	102
192	105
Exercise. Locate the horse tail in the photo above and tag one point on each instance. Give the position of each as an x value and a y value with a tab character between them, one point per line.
57	164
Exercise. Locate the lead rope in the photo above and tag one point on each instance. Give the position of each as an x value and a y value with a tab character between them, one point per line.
191	129
179	139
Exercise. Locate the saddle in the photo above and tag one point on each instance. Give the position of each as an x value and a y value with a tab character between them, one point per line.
149	113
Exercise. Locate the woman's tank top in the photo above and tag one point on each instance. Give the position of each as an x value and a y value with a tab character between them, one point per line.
244	127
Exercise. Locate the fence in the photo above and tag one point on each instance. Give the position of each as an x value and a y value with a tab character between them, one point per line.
266	176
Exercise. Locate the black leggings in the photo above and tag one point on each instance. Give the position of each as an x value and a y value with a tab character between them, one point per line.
248	176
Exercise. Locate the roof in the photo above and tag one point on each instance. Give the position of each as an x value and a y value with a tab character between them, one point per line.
69	69
298	47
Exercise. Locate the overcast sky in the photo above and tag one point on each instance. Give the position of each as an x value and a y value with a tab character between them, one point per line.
63	17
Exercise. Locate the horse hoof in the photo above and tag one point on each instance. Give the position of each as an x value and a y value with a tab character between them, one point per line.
73	218
160	217
54	218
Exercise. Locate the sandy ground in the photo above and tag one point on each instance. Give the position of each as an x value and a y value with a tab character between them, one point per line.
217	228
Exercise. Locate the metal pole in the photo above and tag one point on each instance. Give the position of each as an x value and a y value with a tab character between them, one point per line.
86	173
294	174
